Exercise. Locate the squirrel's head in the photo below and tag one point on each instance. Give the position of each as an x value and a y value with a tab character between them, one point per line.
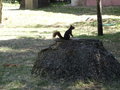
72	27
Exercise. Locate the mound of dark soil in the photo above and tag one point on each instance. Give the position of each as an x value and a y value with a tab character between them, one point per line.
81	59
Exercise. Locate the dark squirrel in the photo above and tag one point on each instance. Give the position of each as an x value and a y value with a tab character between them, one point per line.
66	35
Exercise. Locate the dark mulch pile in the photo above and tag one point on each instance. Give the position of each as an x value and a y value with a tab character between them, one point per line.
81	59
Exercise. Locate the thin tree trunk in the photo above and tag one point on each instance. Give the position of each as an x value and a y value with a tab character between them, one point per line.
0	11
22	4
99	18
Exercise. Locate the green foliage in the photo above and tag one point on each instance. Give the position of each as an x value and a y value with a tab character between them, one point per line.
11	1
18	1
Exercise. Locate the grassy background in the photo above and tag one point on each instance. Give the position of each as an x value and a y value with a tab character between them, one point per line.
24	33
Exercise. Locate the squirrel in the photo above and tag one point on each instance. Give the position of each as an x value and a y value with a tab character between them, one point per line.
66	35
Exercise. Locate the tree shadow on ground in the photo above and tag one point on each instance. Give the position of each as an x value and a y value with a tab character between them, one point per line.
110	37
22	43
22	47
20	52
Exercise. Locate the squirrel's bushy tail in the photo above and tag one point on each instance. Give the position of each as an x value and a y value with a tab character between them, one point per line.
57	33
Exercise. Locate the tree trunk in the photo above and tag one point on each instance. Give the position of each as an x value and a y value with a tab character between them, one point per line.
0	11
99	18
22	4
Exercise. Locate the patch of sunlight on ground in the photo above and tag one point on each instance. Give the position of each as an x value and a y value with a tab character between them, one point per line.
14	85
16	33
18	18
7	49
7	38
